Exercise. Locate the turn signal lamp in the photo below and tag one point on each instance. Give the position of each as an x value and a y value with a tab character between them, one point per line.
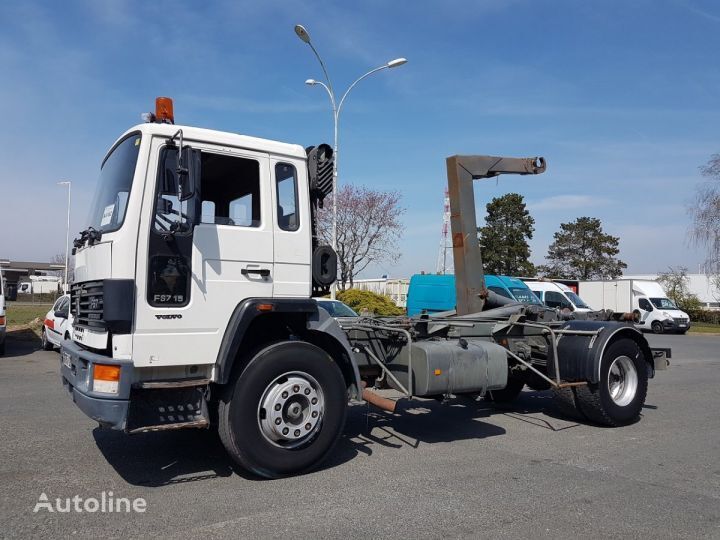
106	378
164	110
2	320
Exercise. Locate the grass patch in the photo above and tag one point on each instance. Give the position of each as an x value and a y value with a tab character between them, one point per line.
705	328
24	314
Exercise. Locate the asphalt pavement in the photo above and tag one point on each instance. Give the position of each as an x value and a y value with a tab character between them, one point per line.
462	469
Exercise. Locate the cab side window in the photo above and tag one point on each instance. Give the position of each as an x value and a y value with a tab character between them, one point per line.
644	304
287	197
556	300
539	294
230	188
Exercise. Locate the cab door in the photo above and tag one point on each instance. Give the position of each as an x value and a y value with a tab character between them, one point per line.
292	245
196	280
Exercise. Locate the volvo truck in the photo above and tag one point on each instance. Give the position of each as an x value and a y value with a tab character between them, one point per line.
194	307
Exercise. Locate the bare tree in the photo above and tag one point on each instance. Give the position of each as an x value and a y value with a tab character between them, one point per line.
59	258
368	228
705	212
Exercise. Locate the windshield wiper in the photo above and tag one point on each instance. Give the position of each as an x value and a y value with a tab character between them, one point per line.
89	235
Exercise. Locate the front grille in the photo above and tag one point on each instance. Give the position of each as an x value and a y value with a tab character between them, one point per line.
681	320
86	305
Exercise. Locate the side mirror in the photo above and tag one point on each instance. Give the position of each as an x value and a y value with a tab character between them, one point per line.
61	314
188	173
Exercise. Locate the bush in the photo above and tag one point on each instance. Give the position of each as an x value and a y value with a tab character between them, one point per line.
376	304
704	316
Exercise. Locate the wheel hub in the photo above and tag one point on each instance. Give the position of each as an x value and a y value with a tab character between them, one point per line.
291	409
622	380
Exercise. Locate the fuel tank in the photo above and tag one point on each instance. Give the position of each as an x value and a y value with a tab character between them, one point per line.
453	366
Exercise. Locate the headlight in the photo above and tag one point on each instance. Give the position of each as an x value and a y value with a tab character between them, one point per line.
666	315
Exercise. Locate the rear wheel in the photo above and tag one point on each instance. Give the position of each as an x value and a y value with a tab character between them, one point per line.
46	345
619	397
285	411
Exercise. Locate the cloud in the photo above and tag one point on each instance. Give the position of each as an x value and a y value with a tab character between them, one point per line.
566	202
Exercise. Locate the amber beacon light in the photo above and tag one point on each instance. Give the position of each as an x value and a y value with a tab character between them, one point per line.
164	110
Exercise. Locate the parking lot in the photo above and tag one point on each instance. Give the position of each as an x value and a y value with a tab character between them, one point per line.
435	470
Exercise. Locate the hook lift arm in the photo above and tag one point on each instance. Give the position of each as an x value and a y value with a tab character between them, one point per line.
462	170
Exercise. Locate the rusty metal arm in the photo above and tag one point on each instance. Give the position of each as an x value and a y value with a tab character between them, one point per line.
461	171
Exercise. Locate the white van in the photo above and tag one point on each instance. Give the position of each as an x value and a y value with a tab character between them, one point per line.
3	320
557	295
646	297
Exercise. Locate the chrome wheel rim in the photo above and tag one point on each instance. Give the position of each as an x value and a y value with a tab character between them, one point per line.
291	409
622	381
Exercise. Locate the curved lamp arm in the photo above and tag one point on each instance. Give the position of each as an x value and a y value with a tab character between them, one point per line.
380	68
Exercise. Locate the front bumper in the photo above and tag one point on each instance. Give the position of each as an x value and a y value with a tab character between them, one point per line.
76	368
676	325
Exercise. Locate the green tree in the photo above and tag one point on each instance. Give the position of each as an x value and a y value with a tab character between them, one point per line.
504	238
676	284
581	250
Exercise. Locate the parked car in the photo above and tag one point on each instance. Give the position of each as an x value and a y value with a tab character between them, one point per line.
336	308
434	293
557	295
57	325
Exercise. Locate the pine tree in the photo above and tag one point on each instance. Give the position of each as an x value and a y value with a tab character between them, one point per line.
581	250
504	238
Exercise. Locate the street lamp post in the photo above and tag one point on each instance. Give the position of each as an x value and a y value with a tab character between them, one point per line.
302	33
67	231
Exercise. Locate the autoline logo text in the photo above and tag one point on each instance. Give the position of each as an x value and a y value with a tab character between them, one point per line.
105	503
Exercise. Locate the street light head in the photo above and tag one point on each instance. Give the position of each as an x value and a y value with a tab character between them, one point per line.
64	183
397	62
311	82
302	33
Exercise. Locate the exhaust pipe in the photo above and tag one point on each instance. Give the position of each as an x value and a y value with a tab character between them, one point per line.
380	402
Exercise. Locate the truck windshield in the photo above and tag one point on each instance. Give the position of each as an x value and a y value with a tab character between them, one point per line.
526	296
575	299
663	303
107	211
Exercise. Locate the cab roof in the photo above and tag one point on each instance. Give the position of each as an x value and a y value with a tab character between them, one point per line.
222	138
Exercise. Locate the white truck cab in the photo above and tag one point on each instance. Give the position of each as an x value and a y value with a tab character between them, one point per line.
557	295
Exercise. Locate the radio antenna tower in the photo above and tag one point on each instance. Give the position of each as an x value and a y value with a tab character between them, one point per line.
445	259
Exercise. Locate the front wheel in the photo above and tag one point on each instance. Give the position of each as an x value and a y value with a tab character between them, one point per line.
619	397
46	345
285	411
657	327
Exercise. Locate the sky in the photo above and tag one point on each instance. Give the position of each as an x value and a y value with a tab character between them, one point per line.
621	98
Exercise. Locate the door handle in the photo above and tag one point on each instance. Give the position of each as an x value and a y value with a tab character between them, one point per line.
264	272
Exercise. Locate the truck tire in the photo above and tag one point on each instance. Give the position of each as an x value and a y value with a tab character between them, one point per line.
657	327
507	394
619	397
46	345
565	400
284	412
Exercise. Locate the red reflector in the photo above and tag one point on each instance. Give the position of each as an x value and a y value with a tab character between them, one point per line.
264	307
50	324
